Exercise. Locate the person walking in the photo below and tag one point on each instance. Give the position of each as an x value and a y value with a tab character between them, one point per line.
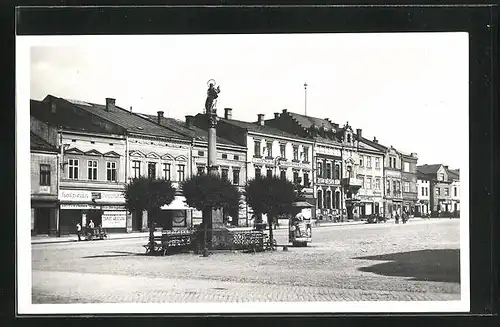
79	231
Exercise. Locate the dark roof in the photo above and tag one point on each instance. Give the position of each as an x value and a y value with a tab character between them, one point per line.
37	143
374	144
131	122
454	173
429	169
307	121
255	127
64	117
193	132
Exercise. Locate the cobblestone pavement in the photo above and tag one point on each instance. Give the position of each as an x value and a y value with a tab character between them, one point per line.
415	261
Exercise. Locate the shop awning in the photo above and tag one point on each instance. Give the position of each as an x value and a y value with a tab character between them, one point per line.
177	204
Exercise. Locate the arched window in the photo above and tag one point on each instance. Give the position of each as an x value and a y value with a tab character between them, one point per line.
336	174
320	200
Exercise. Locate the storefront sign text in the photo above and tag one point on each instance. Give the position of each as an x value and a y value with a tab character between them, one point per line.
114	219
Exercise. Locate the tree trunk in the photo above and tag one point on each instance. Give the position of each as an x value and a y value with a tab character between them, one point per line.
151	229
270	223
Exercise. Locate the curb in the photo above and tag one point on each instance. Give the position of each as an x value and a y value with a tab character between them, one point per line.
73	241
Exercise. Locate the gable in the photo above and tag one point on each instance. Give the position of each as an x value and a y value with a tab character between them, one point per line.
136	153
112	154
152	155
168	156
181	158
74	151
93	152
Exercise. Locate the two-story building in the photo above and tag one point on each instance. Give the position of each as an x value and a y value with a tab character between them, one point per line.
423	205
439	187
44	186
409	181
454	175
99	165
231	158
270	151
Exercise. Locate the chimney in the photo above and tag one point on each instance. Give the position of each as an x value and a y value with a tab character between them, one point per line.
445	167
358	131
130	109
110	104
276	115
228	113
261	119
328	120
160	116
285	111
189	121
375	140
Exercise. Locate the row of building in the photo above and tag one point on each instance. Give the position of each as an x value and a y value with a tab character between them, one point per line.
83	154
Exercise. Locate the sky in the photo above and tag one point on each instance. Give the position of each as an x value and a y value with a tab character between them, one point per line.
409	90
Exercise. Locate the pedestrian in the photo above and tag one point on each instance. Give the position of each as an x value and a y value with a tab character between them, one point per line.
79	231
91	224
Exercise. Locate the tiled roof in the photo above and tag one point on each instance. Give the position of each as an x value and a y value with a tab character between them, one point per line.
37	143
64	117
429	169
192	132
454	173
131	122
255	127
307	121
374	144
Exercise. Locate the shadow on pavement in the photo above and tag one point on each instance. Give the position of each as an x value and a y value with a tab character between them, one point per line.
119	254
440	265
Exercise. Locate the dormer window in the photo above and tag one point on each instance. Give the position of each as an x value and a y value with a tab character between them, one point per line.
349	138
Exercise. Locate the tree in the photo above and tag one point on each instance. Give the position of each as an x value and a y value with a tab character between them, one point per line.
206	192
272	196
149	194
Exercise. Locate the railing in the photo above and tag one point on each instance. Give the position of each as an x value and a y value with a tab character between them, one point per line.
223	239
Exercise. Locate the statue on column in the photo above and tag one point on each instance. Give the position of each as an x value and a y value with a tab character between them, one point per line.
212	95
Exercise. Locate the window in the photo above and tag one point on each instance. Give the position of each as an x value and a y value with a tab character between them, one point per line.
236	176
320	169
377	183
368	183
361	161
73	168
394	188
398	184
151	170
406	167
426	191
328	199
306	179
377	163
441	177
329	170
362	179
283	151
166	171
136	167
406	186
423	191
348	138
201	153
269	172
388	186
200	170
224	173
224	156
269	146
296	152
455	191
295	176
320	200
92	170
447	191
336	175
236	157
181	173
438	191
368	162
45	175
257	171
256	149
111	171
306	154
283	174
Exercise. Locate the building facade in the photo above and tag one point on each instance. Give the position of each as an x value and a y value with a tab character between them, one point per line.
44	186
423	205
231	158
409	182
440	188
269	151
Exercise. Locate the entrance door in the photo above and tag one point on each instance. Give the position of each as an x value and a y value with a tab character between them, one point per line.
95	216
42	220
137	221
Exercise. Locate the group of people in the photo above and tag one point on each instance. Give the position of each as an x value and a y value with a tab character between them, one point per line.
89	229
404	216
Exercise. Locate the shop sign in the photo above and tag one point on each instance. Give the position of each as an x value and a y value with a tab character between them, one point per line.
114	219
79	206
76	196
96	195
87	196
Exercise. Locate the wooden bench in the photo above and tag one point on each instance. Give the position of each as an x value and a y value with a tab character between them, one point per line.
178	239
156	247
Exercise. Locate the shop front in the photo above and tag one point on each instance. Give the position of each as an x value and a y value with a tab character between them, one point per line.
44	214
103	208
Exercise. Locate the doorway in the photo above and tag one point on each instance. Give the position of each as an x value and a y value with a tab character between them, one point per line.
42	220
